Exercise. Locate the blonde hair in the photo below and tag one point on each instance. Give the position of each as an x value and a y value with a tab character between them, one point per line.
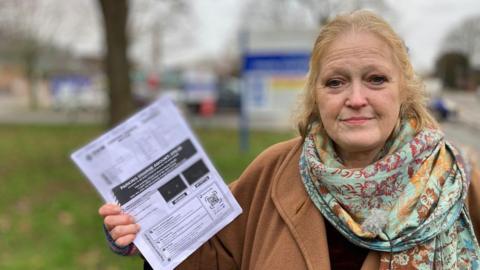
413	106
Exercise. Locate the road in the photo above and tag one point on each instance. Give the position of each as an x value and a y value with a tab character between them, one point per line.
465	129
460	133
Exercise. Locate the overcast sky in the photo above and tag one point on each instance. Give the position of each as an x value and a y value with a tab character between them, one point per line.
423	25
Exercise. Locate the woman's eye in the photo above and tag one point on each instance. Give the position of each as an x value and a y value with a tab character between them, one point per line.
377	80
334	83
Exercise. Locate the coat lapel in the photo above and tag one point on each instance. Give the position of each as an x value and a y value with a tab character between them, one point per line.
295	207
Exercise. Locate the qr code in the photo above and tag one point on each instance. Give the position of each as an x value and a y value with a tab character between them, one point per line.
212	199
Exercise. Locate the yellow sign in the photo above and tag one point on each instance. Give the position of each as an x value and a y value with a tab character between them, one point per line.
287	82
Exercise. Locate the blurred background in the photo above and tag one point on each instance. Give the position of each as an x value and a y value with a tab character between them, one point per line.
70	69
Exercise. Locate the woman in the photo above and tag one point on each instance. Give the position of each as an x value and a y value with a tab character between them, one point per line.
370	184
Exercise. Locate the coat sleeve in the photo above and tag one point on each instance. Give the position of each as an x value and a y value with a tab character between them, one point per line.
473	198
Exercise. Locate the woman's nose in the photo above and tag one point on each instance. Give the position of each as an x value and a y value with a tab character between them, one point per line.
356	96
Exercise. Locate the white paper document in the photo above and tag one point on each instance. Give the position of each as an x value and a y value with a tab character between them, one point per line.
154	167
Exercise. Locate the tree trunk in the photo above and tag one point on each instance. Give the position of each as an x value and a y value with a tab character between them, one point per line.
117	67
30	60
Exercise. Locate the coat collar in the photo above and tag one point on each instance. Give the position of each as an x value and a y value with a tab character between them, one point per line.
299	213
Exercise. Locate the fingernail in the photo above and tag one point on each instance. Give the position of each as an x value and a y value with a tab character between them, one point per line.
138	227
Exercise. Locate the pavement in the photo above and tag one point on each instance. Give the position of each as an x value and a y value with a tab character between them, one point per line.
468	104
46	116
15	112
11	112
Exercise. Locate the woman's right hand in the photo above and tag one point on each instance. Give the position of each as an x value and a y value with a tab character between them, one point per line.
120	225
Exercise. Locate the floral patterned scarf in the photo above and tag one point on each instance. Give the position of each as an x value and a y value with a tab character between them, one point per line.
409	204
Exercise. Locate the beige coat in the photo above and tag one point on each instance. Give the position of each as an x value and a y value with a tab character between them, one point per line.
280	228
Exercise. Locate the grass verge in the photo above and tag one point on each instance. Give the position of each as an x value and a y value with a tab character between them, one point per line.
48	209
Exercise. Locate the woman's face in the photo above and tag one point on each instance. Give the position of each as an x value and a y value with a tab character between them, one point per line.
358	94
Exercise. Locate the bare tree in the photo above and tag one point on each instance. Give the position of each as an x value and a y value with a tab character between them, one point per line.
134	19
158	22
464	38
117	66
28	32
460	54
294	13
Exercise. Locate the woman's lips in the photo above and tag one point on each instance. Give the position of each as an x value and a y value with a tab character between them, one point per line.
356	120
